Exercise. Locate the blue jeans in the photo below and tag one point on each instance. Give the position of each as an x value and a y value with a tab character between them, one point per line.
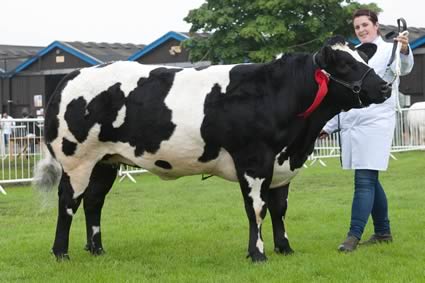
369	199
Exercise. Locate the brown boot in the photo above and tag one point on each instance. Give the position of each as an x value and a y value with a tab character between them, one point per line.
378	238
349	245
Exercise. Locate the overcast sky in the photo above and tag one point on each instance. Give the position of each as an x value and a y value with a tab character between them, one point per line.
39	23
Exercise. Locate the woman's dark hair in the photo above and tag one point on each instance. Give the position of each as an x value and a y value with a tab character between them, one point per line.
373	17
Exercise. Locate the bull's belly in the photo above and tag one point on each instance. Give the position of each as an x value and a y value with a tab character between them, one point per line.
168	162
186	163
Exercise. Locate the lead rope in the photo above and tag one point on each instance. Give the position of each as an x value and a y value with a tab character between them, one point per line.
395	56
339	139
398	72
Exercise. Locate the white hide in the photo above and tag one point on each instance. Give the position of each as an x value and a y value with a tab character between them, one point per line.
96	230
257	203
119	121
353	53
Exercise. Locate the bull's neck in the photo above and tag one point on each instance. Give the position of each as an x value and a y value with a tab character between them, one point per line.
298	87
300	133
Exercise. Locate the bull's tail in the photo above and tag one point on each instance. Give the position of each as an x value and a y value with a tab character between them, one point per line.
47	173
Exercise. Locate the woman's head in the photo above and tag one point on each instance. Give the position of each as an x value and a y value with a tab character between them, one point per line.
366	25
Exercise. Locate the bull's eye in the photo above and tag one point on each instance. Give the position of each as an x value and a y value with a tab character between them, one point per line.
343	68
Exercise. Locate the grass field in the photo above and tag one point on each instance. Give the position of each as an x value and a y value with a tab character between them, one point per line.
196	231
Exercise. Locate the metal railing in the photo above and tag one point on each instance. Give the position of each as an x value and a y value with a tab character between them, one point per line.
22	148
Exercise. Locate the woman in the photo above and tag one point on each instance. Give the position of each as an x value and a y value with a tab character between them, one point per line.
366	136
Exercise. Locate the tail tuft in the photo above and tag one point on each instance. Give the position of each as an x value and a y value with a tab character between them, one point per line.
47	174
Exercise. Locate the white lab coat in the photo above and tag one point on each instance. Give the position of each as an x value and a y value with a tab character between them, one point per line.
366	133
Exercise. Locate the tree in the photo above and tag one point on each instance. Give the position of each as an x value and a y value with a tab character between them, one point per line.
257	30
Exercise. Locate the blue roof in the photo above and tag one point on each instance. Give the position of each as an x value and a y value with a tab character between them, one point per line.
148	48
56	44
417	43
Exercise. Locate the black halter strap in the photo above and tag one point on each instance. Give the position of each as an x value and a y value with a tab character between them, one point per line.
355	86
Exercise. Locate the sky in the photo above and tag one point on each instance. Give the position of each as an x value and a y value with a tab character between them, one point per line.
39	23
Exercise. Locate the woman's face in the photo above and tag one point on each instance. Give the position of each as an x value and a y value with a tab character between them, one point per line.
365	30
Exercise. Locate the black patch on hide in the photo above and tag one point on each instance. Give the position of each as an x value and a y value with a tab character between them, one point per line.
51	122
163	164
231	113
68	147
147	120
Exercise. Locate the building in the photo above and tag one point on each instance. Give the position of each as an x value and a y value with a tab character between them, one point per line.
30	83
11	56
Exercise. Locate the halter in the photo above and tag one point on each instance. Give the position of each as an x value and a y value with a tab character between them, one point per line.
355	87
322	78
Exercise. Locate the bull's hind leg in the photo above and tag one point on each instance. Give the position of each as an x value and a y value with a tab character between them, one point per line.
101	181
66	210
277	204
254	167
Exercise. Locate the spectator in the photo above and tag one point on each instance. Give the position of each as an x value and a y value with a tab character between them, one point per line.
7	127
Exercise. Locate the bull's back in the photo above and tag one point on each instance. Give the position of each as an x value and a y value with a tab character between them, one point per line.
138	111
144	115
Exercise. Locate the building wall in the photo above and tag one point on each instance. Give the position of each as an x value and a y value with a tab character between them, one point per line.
414	83
161	54
5	92
23	89
37	79
53	61
1	95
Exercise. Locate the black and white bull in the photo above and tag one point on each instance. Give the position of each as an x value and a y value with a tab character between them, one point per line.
244	123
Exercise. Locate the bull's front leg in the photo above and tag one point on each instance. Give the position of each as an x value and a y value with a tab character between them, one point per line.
67	208
255	169
277	204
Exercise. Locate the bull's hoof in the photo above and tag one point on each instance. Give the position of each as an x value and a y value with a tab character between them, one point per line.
257	257
94	250
284	250
60	256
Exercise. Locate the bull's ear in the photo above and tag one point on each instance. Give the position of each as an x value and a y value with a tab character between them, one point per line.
325	57
336	39
368	48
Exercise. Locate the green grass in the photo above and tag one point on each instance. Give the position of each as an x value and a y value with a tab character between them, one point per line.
196	231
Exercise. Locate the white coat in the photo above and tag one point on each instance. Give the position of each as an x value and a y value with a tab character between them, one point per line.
367	133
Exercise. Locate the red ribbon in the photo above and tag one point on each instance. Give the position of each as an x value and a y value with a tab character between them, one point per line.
322	80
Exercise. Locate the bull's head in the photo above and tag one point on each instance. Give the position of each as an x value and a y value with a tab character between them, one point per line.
356	84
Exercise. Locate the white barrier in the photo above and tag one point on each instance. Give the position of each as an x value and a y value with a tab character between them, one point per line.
23	149
20	149
126	171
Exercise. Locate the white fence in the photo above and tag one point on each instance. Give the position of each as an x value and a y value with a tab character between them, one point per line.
21	149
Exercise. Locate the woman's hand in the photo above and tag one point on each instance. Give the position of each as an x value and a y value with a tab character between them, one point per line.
404	40
323	134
